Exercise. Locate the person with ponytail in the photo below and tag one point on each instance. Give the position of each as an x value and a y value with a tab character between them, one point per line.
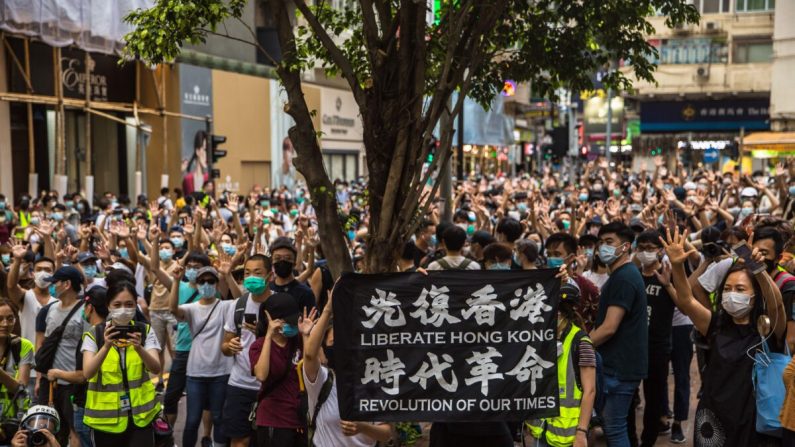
576	378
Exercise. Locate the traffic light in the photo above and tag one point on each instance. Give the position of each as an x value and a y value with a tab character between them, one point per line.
216	153
656	151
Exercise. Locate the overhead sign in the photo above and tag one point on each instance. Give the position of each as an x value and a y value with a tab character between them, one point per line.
449	346
730	114
595	113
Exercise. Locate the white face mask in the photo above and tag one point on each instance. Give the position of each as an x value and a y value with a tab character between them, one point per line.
646	257
736	304
38	278
121	316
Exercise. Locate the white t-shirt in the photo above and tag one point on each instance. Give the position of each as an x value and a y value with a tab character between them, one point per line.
205	358
27	316
454	262
328	432
241	376
714	274
598	279
680	319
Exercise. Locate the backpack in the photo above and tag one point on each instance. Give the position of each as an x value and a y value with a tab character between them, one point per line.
446	265
45	356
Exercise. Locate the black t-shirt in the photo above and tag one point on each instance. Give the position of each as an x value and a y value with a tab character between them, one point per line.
80	389
660	308
625	354
301	292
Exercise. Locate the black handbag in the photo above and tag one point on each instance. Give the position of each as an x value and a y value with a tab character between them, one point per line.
45	356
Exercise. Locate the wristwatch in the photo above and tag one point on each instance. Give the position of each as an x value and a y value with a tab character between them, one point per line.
584	430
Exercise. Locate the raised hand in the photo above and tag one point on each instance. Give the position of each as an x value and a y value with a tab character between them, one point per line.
18	249
46	227
102	251
675	246
232	202
224	263
307	322
664	275
154	233
187	226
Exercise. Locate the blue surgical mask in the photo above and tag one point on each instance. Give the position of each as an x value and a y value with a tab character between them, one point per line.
6	259
745	212
433	240
178	242
53	291
124	253
470	230
165	254
90	271
607	254
589	253
566	225
190	274
2	205
229	249
792	190
80	207
583	197
57	217
69	203
351	235
289	330
522	207
35	221
554	262
499	266
207	290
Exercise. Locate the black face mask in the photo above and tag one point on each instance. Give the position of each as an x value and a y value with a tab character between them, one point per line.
283	269
771	265
328	351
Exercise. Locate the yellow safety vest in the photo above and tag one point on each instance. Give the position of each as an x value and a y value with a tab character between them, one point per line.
24	221
12	405
106	388
560	431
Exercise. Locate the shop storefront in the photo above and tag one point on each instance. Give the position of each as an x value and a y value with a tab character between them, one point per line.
762	150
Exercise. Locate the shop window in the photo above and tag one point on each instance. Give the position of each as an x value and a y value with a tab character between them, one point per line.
712	6
755	5
755	51
342	166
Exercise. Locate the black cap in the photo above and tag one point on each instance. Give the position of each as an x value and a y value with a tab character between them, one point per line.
67	273
283	242
483	238
86	256
281	306
570	293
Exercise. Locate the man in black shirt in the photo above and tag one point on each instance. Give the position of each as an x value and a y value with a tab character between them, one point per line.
283	255
660	308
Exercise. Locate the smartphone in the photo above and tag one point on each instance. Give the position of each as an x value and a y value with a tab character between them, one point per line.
123	332
741	250
250	318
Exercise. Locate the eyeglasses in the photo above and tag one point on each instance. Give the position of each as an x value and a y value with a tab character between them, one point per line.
8	320
212	281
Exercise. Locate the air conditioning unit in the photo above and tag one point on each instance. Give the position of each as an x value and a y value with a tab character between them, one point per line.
682	29
712	27
702	73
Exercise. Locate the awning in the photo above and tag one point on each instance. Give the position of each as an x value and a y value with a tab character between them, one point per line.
770	144
91	25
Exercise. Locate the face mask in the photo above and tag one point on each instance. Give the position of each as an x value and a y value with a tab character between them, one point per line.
80	207
54	291
283	269
792	190
745	212
617	192
90	271
328	351
734	210
289	331
607	254
177	241
57	217
124	253
255	284
597	187
736	304
470	229
433	240
772	265
293	213
38	278
83	314
668	187
35	221
636	207
165	254
583	197
499	266
6	259
566	224
522	207
647	257
554	262
121	316
2	205
472	217
69	204
351	235
190	274
229	249
207	290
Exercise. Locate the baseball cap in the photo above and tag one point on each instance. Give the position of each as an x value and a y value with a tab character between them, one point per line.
86	256
207	270
749	192
483	238
281	306
120	266
570	293
67	273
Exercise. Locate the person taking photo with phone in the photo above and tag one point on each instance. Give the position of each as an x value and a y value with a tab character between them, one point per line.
118	356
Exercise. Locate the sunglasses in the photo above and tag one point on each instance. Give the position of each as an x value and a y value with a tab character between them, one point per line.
212	281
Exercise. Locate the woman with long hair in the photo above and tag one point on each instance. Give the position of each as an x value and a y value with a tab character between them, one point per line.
726	413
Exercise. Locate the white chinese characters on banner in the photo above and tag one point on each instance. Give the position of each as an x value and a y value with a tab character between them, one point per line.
387	371
384	305
483	305
436	370
530	304
433	307
530	367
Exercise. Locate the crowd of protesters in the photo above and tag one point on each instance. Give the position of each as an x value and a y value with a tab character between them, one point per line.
233	292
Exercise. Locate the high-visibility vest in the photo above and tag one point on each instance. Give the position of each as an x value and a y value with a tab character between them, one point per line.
560	431
106	388
13	405
24	221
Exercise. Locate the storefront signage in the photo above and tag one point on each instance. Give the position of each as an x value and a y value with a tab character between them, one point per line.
595	113
675	116
340	116
108	81
196	93
689	51
703	144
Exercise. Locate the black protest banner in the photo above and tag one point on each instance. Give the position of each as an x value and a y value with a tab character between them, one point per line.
452	346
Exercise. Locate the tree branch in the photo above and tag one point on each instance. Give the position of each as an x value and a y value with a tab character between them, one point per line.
255	44
334	51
